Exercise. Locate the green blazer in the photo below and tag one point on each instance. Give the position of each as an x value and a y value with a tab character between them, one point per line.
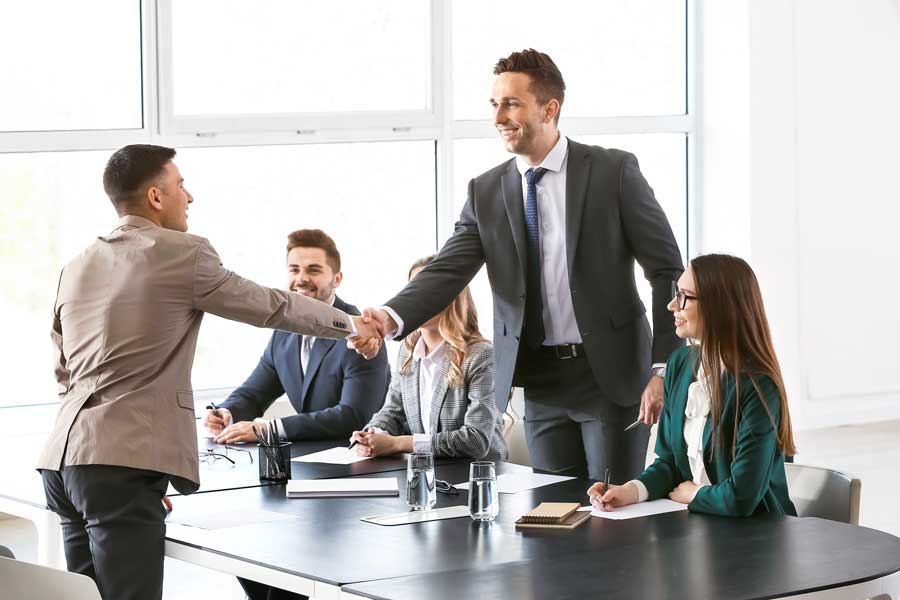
750	481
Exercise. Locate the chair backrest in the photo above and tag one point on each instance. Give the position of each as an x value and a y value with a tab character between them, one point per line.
35	582
514	430
6	552
825	493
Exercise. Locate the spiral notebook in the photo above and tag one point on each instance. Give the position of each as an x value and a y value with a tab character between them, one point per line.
552	515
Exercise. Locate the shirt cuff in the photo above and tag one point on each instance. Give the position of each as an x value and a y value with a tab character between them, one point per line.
421	443
397	320
282	436
643	494
375	430
657	365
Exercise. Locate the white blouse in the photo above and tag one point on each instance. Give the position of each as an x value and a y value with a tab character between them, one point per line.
696	411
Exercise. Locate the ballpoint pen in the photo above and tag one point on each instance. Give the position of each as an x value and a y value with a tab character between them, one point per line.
606	483
215	409
633	425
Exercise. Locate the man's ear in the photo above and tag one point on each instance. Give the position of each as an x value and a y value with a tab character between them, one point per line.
338	277
551	109
154	198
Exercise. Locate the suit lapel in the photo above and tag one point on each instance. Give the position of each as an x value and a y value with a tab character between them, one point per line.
320	348
439	394
411	383
511	185
578	171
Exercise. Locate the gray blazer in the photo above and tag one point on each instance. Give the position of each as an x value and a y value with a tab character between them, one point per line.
464	419
612	220
125	325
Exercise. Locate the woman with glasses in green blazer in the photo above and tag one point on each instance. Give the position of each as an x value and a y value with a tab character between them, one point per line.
725	427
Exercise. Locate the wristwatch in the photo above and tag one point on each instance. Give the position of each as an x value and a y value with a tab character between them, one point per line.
659	371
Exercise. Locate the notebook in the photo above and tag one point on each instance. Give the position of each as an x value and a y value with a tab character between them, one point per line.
552	515
351	487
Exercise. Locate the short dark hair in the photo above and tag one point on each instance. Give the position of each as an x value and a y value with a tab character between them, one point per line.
316	238
546	80
130	168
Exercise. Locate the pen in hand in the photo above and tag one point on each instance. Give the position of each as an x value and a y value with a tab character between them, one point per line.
606	483
633	425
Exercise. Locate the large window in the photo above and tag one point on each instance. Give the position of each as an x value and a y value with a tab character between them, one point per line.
365	119
70	65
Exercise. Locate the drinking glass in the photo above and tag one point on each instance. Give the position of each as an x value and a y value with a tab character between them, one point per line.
483	494
420	484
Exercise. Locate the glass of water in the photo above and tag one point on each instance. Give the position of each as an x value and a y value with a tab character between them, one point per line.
420	484
483	501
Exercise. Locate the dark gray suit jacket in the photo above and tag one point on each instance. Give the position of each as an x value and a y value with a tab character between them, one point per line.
612	219
337	395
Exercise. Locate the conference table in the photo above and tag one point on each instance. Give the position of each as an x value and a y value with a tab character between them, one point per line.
322	548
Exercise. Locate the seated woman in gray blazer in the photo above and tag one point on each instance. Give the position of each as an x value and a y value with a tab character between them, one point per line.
441	398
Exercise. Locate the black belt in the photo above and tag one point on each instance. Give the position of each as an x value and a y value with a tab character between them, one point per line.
564	351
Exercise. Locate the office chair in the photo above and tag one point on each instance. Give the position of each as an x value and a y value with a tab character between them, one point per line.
35	582
824	493
514	430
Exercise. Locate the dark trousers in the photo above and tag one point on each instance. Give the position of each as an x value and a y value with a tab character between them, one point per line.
261	591
572	427
113	526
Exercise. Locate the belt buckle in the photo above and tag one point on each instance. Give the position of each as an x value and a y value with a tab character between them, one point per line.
566	352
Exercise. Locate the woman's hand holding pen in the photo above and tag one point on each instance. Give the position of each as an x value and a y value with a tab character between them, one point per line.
617	496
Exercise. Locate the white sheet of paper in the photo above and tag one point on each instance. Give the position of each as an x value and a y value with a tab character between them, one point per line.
513	483
641	509
338	455
349	486
419	516
224	519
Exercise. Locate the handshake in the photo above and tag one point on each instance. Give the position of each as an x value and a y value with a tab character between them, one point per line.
371	328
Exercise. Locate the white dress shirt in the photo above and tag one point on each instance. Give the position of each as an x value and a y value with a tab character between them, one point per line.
560	326
429	373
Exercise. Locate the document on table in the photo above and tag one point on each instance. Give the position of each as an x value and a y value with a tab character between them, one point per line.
225	519
339	455
419	516
641	509
348	487
513	483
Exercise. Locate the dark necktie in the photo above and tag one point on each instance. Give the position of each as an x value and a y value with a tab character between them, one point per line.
534	319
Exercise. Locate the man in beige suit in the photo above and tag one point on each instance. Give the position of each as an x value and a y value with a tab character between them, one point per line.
127	314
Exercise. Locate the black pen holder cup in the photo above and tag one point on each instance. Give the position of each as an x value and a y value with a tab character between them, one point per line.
275	462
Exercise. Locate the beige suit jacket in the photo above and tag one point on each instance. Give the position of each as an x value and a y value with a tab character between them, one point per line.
127	313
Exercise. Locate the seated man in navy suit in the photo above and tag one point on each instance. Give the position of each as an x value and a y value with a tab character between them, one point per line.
334	390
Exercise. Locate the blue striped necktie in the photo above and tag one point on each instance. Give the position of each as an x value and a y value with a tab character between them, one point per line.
534	319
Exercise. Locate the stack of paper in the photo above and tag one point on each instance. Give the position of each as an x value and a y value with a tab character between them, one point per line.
350	487
641	509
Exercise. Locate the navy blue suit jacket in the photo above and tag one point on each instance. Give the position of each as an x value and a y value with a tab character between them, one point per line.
337	395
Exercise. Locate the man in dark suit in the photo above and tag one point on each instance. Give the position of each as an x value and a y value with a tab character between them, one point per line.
559	228
333	389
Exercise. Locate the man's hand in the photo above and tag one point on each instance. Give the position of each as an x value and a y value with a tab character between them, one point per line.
242	431
215	424
652	401
685	492
367	340
167	504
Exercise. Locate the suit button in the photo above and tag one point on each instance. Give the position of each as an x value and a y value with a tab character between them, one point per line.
523	296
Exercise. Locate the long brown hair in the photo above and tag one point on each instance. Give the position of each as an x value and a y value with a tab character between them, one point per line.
735	336
458	326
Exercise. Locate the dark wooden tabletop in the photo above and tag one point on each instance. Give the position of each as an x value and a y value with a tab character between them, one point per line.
675	555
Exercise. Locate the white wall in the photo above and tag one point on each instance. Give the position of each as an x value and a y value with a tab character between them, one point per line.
801	175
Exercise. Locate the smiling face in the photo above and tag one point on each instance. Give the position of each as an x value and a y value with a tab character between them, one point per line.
170	198
310	274
526	126
687	319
